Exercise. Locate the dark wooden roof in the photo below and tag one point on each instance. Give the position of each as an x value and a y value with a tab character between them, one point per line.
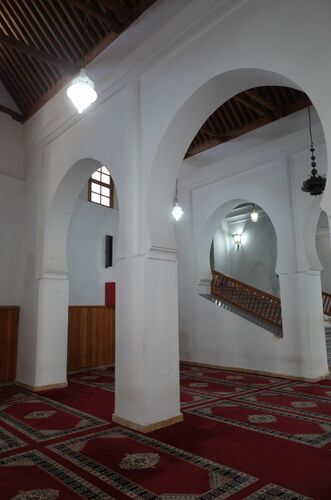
245	112
42	43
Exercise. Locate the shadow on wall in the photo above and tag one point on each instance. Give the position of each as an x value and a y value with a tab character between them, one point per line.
253	261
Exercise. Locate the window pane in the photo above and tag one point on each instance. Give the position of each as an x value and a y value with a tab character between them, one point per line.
105	191
104	170
105	201
96	175
95	198
105	178
95	187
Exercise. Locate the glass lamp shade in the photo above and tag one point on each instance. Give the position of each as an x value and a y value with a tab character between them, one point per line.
237	239
177	211
81	92
254	215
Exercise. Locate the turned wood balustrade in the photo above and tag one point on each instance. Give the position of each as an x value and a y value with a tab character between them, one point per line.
326	303
246	297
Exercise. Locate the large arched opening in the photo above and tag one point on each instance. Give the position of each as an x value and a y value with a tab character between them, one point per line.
168	159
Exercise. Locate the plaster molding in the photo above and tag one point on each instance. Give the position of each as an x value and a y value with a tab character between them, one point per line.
50	275
163	253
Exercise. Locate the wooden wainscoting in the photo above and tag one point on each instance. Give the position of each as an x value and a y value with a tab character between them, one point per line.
91	336
9	316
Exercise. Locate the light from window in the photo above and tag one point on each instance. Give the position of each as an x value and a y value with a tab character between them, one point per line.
101	188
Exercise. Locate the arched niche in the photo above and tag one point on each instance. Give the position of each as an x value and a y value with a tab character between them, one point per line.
60	212
253	260
183	127
208	231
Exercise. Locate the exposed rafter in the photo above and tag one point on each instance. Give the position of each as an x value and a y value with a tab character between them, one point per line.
42	42
253	94
13	44
120	9
104	17
248	104
16	116
212	132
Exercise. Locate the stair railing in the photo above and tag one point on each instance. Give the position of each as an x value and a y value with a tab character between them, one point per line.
250	299
326	297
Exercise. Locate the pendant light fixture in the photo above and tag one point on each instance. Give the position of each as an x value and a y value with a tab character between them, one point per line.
81	90
254	214
177	210
315	184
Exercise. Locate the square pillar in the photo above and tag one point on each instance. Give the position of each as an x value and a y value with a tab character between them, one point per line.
147	345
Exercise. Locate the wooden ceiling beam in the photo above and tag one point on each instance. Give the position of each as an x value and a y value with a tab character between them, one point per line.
104	18
261	100
13	44
206	130
121	11
14	114
215	140
259	122
250	105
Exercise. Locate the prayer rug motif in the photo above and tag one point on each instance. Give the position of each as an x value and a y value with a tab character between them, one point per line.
37	494
34	415
140	461
204	479
273	491
252	380
216	388
298	403
315	391
42	419
9	442
294	427
57	480
261	419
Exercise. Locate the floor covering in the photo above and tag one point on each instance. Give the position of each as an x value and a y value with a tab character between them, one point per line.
243	436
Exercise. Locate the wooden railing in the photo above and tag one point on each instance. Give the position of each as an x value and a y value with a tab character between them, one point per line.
326	297
250	299
91	336
9	316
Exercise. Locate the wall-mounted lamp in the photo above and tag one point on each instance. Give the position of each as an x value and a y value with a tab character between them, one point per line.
254	214
177	210
237	239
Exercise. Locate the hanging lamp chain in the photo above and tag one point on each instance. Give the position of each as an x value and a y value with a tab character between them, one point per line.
312	149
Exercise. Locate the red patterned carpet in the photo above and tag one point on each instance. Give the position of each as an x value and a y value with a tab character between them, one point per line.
243	436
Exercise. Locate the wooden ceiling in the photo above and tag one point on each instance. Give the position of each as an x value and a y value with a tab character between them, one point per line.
245	112
42	43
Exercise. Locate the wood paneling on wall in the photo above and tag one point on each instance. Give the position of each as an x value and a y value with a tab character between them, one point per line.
91	336
9	316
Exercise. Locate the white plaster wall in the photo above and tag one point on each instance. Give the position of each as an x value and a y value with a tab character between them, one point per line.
324	251
324	254
11	150
86	252
12	205
151	104
254	262
209	334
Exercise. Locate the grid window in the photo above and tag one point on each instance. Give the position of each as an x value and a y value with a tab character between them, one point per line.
101	188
